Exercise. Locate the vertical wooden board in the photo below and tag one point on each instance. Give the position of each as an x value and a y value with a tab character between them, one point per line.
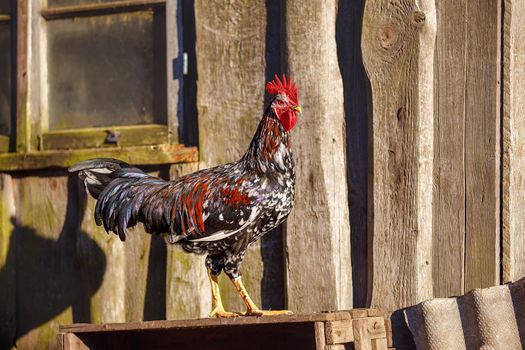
174	67
231	55
398	42
482	144
102	257
48	283
137	252
449	166
7	264
22	63
317	242
230	88
320	340
513	141
362	339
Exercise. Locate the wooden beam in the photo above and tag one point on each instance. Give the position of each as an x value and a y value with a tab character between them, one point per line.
206	322
99	8
69	341
366	330
158	154
398	51
174	79
338	332
482	144
513	141
22	76
320	338
7	263
318	264
449	152
121	136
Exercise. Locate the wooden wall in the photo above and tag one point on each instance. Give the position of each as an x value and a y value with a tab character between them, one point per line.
427	146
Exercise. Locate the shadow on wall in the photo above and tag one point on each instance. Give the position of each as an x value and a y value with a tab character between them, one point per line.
358	116
272	244
50	275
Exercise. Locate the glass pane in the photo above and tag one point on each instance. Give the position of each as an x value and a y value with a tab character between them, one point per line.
4	7
107	70
57	3
5	80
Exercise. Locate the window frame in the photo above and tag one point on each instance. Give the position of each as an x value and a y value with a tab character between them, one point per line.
37	147
5	19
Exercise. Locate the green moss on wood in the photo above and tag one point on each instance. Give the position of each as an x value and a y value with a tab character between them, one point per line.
4	143
158	154
122	136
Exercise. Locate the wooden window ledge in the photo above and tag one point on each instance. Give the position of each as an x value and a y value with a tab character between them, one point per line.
153	154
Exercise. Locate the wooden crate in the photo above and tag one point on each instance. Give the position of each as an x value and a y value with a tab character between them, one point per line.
365	328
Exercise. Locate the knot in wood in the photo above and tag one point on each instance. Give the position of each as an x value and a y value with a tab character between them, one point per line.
418	18
387	35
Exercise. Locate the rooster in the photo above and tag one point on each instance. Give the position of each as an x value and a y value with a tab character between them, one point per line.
218	211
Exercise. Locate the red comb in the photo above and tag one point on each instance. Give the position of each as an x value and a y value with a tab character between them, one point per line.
277	86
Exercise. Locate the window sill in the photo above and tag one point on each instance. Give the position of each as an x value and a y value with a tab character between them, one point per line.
140	155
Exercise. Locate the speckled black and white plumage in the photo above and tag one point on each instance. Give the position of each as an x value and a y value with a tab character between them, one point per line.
218	211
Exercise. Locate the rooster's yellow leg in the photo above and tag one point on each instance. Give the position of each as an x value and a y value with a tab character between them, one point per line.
217	309
251	308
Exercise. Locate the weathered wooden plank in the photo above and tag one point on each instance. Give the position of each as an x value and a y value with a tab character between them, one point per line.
448	246
231	52
207	322
122	136
358	313
319	335
7	264
318	229
49	290
335	347
388	330
69	341
23	67
98	8
513	188
379	344
338	332
156	154
482	144
174	68
362	341
4	143
102	256
398	52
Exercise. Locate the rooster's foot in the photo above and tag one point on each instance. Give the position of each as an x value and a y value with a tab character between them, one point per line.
258	312
221	313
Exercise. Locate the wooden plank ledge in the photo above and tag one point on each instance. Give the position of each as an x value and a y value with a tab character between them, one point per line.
139	155
205	322
316	331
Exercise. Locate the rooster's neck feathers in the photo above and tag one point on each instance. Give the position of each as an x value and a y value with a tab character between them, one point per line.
268	144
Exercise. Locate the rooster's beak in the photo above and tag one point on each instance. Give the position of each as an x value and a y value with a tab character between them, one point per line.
298	109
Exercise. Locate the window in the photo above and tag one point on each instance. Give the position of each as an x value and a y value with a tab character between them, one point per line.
102	78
